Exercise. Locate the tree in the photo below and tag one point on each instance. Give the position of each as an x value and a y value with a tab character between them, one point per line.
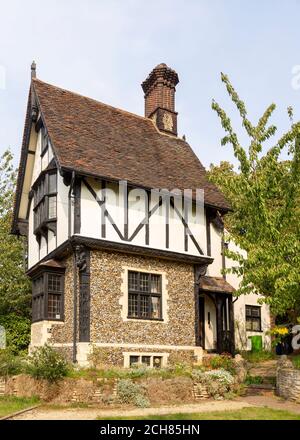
265	196
14	285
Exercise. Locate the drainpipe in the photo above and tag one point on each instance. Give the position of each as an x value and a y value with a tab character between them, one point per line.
75	283
75	288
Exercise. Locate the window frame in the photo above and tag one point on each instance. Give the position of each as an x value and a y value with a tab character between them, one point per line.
249	317
139	293
42	194
152	356
42	297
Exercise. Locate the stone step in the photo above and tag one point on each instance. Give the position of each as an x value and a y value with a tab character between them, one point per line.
200	392
2	387
260	389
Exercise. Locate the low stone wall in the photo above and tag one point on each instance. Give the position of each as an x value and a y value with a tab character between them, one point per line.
100	391
287	380
67	390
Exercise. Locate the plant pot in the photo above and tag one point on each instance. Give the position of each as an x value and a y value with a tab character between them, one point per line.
279	349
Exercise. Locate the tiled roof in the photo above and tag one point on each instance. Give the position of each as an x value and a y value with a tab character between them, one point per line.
96	139
215	284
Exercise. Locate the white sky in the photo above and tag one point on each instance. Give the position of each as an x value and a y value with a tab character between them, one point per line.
105	49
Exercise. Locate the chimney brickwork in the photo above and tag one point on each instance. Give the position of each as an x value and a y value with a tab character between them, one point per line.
159	89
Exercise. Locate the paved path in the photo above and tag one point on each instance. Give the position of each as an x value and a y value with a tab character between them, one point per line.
93	413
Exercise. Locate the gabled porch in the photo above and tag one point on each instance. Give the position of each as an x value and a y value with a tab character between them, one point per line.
215	316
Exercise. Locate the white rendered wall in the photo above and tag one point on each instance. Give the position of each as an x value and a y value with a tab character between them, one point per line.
91	220
241	335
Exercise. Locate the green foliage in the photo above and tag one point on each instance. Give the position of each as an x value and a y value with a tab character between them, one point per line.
254	380
17	329
296	361
10	364
258	356
222	361
131	393
14	285
218	383
264	195
140	371
47	363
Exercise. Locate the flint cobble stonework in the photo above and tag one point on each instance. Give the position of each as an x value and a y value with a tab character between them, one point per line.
63	333
288	381
107	324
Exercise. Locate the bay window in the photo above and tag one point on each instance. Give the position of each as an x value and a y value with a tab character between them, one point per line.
45	200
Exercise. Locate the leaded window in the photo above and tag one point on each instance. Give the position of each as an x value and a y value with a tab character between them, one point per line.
47	296
253	318
45	199
144	295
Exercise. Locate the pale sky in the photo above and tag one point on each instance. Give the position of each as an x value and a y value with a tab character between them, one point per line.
104	49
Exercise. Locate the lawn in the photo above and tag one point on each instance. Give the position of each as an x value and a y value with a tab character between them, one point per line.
11	404
254	413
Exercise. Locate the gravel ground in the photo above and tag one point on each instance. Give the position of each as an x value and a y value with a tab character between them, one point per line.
273	402
44	413
92	413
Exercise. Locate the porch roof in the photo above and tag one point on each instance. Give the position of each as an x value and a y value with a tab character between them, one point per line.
215	284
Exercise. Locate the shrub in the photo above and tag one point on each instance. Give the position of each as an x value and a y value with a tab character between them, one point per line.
141	401
219	383
9	363
47	363
17	330
139	371
130	392
222	376
223	361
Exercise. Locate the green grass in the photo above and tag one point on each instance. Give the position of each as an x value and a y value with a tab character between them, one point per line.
132	373
260	356
254	413
296	361
254	380
11	404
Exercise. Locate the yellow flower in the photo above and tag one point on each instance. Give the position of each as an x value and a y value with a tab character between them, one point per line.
282	331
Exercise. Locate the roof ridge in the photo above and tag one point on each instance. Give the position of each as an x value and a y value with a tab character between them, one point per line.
144	118
93	99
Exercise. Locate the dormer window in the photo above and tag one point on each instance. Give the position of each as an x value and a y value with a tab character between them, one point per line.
45	201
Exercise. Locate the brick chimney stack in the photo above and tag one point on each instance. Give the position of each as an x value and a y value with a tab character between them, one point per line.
159	89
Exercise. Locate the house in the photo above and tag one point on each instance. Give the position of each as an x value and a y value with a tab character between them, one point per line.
125	232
